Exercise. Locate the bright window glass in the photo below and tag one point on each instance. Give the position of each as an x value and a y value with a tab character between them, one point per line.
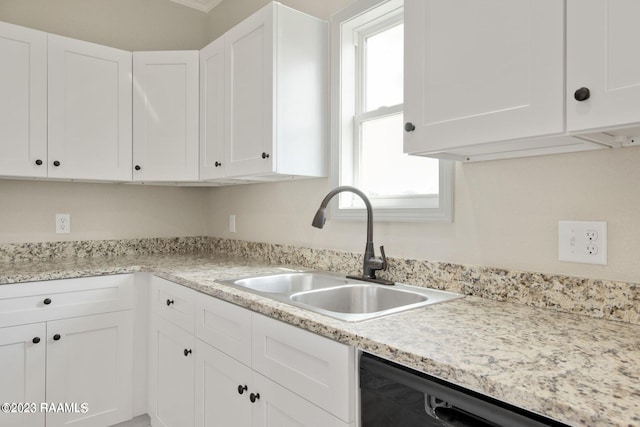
383	68
368	126
385	169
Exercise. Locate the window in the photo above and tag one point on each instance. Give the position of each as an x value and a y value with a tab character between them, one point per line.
367	120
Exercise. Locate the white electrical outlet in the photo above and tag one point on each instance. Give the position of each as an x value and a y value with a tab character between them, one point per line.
232	223
63	223
582	241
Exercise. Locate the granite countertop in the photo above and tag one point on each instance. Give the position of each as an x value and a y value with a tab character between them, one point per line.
576	369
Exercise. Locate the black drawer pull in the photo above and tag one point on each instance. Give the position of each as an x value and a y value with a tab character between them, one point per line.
169	302
582	94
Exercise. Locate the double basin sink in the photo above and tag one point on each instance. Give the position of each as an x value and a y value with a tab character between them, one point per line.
339	297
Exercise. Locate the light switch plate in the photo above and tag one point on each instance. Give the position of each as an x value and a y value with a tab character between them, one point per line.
583	242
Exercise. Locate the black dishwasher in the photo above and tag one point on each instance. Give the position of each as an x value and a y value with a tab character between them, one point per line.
392	395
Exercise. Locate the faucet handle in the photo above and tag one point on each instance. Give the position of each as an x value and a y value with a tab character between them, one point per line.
384	258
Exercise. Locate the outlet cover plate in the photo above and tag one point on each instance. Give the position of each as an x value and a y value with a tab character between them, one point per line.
63	223
582	241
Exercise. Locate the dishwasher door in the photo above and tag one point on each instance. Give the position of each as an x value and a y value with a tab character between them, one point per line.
392	395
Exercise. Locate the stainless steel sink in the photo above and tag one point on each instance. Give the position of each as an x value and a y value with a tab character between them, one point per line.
345	299
290	282
358	298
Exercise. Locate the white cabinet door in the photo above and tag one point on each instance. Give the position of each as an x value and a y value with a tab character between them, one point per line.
165	116
89	108
23	101
171	375
22	356
249	61
317	368
278	407
268	121
90	360
173	302
225	326
602	56
478	72
221	397
212	110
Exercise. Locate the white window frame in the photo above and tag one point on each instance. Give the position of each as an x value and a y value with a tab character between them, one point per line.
345	121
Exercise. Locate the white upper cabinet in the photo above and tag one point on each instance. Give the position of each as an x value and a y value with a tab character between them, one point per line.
481	72
212	110
602	57
250	49
165	116
488	81
274	120
23	101
89	108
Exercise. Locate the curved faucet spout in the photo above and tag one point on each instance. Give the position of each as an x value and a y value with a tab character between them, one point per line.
371	262
320	218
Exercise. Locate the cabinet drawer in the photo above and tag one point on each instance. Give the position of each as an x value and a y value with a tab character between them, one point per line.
173	302
57	299
278	406
317	368
224	326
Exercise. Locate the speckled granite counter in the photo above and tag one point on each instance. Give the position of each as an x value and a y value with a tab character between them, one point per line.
577	369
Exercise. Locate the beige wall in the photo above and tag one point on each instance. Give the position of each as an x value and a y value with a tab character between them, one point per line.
99	211
506	215
230	12
125	24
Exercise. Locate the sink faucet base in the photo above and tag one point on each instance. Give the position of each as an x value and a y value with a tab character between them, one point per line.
372	280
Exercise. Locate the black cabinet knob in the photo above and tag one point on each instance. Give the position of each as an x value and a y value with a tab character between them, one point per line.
47	301
253	397
242	389
265	155
56	337
39	162
169	302
409	127
218	164
56	163
137	167
582	94
35	340
187	352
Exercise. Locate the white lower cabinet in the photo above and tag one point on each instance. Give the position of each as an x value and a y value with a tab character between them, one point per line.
231	366
68	348
90	361
230	393
23	349
171	387
171	355
279	407
70	359
281	375
221	388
